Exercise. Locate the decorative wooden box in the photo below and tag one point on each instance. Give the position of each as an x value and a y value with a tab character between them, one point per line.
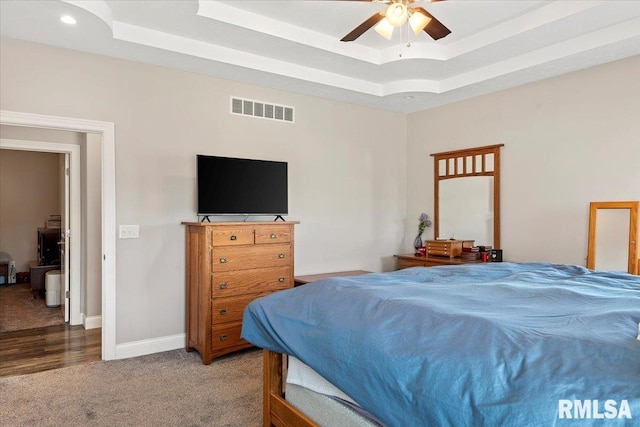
447	248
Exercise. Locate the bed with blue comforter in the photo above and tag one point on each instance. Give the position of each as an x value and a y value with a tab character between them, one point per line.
497	344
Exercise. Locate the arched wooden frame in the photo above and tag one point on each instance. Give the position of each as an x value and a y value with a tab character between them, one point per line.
470	162
634	254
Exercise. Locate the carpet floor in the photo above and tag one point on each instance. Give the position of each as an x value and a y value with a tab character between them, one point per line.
20	311
171	388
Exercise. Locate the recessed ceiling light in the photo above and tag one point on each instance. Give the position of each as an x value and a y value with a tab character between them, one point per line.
409	97
68	19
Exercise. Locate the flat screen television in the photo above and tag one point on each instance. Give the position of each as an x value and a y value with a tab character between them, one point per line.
231	186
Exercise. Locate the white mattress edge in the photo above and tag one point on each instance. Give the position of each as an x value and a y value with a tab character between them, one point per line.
302	375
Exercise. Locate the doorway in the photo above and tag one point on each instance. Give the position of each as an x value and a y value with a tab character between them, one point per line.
70	207
106	133
31	198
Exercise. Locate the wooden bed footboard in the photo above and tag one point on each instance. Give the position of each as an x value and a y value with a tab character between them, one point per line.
276	410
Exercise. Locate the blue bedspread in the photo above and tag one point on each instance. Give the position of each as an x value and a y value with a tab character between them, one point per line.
496	344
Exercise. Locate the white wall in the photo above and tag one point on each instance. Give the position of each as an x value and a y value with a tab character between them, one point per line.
347	167
567	141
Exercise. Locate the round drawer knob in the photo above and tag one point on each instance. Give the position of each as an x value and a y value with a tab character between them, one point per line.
273	236
280	256
280	279
223	260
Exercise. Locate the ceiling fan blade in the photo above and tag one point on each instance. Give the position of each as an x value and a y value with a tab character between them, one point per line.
435	28
362	28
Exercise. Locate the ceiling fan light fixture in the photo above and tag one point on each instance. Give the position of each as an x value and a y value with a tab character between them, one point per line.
385	29
418	21
396	14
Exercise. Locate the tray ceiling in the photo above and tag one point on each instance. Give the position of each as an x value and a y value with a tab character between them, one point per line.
295	45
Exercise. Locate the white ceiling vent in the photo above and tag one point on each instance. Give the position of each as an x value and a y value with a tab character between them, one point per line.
262	110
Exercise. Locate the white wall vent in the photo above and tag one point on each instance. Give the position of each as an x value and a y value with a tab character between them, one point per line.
262	110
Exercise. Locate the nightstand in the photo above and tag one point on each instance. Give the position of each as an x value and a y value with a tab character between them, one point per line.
303	280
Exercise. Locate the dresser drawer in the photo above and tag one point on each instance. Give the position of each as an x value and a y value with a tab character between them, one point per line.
225	310
226	336
273	234
232	236
227	258
241	282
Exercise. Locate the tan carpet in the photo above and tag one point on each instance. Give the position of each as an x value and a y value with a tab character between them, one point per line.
172	388
19	310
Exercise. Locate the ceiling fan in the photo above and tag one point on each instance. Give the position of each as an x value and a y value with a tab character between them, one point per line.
397	14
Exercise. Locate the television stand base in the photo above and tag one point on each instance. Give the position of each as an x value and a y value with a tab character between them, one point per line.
205	218
278	216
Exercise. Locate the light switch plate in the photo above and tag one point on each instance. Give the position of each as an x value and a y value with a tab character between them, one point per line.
129	232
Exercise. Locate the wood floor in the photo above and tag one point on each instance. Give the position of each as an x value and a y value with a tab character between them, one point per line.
41	349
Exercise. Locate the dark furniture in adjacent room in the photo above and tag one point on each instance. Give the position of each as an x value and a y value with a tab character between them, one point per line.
48	247
37	273
4	272
48	258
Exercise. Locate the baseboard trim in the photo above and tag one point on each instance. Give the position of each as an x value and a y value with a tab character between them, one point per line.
92	322
154	345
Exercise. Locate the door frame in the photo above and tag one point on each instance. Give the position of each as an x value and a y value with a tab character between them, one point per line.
73	267
108	181
66	178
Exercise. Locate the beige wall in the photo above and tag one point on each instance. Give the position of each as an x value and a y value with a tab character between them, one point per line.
358	177
347	167
567	141
28	193
91	226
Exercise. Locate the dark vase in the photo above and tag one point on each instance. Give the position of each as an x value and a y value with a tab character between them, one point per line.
417	243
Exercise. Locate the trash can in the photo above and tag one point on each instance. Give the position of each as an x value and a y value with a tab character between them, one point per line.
52	283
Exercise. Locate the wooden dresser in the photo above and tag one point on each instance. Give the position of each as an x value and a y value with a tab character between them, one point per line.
410	260
229	264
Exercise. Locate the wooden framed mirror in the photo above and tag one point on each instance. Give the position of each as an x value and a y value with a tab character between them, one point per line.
467	195
613	236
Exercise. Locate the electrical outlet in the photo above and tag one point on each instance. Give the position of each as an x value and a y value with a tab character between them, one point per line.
129	231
